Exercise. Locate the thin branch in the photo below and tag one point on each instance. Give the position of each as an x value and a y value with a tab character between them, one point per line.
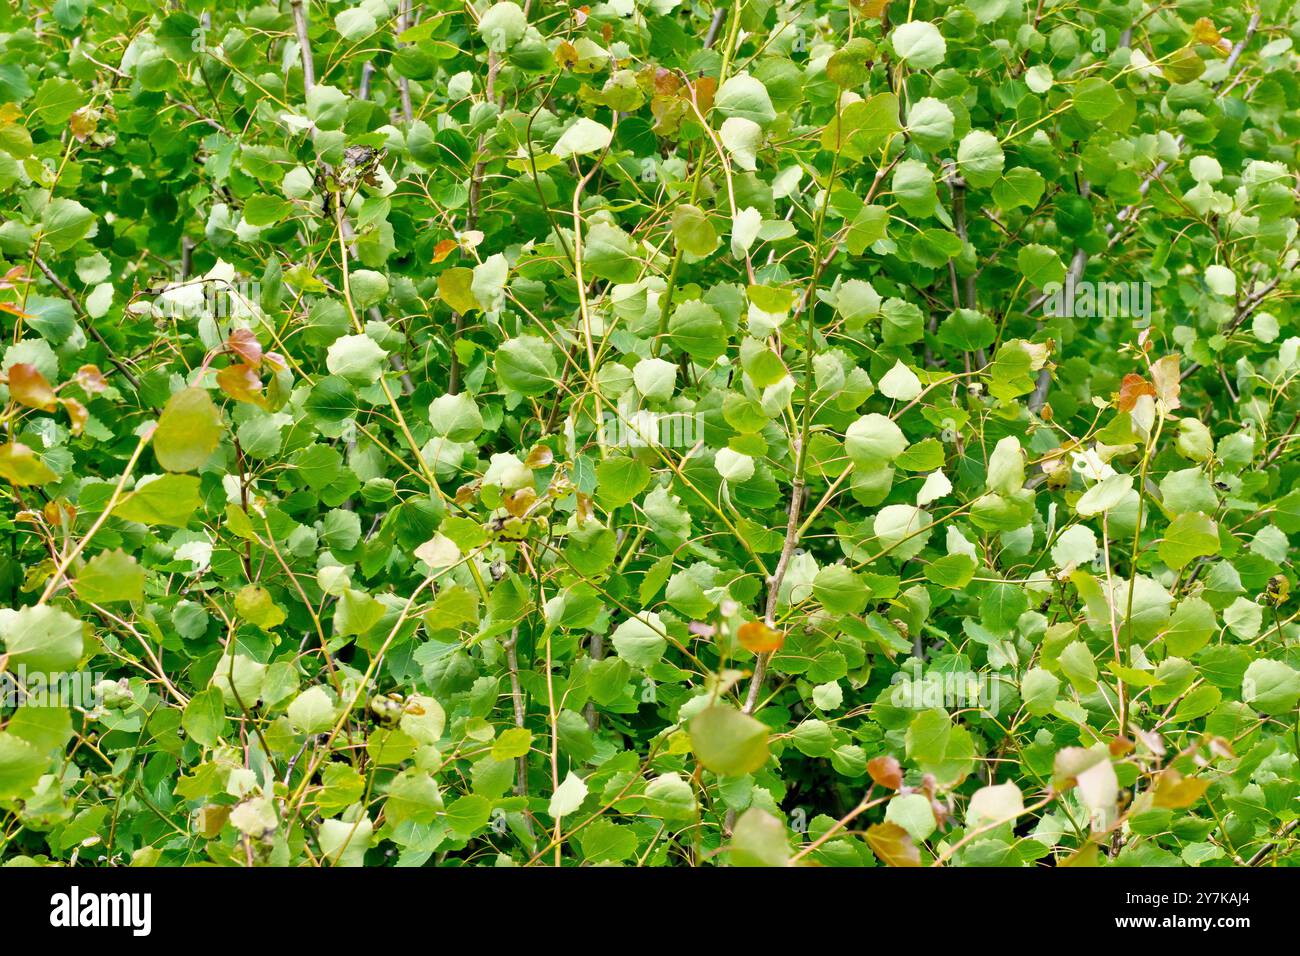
304	45
87	322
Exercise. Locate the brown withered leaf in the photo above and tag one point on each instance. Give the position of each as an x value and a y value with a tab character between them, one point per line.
893	845
886	771
539	457
467	492
519	502
1167	381
28	386
59	513
704	90
1131	389
757	637
91	379
77	414
585	509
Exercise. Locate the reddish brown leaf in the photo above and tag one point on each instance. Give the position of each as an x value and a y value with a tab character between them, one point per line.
886	771
241	383
757	637
244	343
27	386
11	279
466	492
83	122
446	247
667	83
705	88
1131	389
539	457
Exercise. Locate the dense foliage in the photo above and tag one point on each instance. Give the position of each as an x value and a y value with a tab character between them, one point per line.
833	432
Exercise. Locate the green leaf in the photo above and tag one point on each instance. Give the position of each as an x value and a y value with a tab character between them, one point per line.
692	230
1020	186
356	358
696	328
255	605
759	839
608	253
840	590
169	500
919	44
1095	99
583	137
21	766
1189	536
526	365
188	431
980	158
728	742
41	638
1271	687
1040	265
55	101
111	576
205	717
313	711
619	481
45	728
939	747
746	97
64	223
